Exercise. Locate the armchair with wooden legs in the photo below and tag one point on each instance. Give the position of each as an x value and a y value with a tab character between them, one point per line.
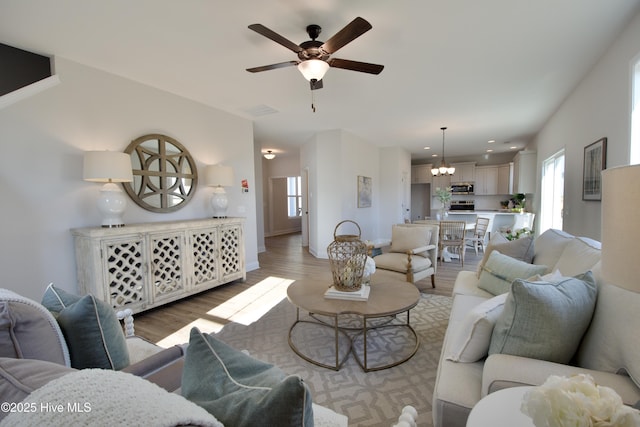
413	252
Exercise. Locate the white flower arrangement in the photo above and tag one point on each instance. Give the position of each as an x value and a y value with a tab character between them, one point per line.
577	402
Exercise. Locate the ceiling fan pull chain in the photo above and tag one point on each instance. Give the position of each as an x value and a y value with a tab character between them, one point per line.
313	107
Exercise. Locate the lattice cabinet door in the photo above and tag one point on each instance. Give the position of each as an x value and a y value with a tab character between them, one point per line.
231	252
166	265
203	244
124	271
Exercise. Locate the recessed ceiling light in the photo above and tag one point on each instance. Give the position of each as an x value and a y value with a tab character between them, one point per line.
491	141
427	148
434	155
513	147
489	150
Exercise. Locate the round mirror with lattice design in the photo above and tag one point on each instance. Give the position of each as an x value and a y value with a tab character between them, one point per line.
164	173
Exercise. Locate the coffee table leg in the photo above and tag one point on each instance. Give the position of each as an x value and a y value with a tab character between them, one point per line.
337	330
364	341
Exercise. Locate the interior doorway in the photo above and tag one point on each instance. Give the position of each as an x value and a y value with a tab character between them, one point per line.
420	201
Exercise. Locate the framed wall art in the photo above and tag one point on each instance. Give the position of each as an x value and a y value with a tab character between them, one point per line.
364	191
595	161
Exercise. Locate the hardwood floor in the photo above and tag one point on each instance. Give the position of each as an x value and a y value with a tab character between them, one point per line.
284	258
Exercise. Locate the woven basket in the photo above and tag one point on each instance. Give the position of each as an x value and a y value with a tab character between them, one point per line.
347	257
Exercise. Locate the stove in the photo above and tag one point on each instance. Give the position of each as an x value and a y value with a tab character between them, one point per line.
462	205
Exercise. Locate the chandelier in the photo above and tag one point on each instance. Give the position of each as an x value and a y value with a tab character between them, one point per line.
443	169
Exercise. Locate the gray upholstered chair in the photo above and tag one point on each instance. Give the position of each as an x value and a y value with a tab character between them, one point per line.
412	254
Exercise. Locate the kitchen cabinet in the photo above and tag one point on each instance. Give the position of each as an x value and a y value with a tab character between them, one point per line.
524	172
142	266
486	181
505	179
465	172
421	174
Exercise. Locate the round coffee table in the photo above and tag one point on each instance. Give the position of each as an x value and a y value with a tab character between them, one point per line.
387	298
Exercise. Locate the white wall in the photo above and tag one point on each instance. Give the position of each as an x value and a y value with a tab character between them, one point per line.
598	107
334	160
41	187
395	188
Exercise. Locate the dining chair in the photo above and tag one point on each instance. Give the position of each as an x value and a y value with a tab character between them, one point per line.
452	236
476	239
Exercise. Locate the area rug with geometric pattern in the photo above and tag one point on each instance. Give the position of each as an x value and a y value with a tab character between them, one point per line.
367	398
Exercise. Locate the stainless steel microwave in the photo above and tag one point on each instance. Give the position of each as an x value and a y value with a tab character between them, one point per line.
462	188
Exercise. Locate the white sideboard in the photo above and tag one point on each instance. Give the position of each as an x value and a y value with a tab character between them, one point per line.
142	266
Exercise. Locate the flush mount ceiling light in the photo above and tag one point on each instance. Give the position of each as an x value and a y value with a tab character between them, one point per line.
269	155
443	169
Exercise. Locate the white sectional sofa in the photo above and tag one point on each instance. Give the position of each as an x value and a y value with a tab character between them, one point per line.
609	350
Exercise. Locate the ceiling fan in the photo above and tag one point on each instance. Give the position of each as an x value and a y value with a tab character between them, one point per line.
314	56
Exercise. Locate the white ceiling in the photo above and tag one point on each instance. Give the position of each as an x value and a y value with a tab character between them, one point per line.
488	70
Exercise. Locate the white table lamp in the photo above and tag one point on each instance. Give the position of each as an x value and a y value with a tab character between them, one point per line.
219	176
109	167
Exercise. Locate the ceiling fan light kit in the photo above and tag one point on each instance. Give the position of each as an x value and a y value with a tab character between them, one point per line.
443	169
313	69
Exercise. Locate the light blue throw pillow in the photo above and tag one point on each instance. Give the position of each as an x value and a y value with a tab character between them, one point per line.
241	391
501	270
91	329
545	320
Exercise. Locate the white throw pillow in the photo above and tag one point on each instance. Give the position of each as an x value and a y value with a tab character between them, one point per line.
579	256
471	343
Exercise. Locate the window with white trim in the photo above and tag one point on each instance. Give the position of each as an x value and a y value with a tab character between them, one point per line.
552	197
294	196
634	149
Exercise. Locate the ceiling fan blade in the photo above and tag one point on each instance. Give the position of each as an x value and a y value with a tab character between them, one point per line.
315	84
363	67
353	30
272	66
270	34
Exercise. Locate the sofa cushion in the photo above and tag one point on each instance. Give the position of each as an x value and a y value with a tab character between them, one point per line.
521	249
471	342
549	246
578	256
91	329
404	239
545	320
500	270
240	390
19	377
399	262
29	331
611	343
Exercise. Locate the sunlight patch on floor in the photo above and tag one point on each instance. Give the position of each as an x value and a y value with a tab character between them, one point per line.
250	305
181	336
245	308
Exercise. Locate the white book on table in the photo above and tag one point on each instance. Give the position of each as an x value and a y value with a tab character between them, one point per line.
361	294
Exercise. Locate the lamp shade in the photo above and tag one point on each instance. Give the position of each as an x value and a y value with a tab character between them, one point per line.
313	69
620	235
218	175
107	166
